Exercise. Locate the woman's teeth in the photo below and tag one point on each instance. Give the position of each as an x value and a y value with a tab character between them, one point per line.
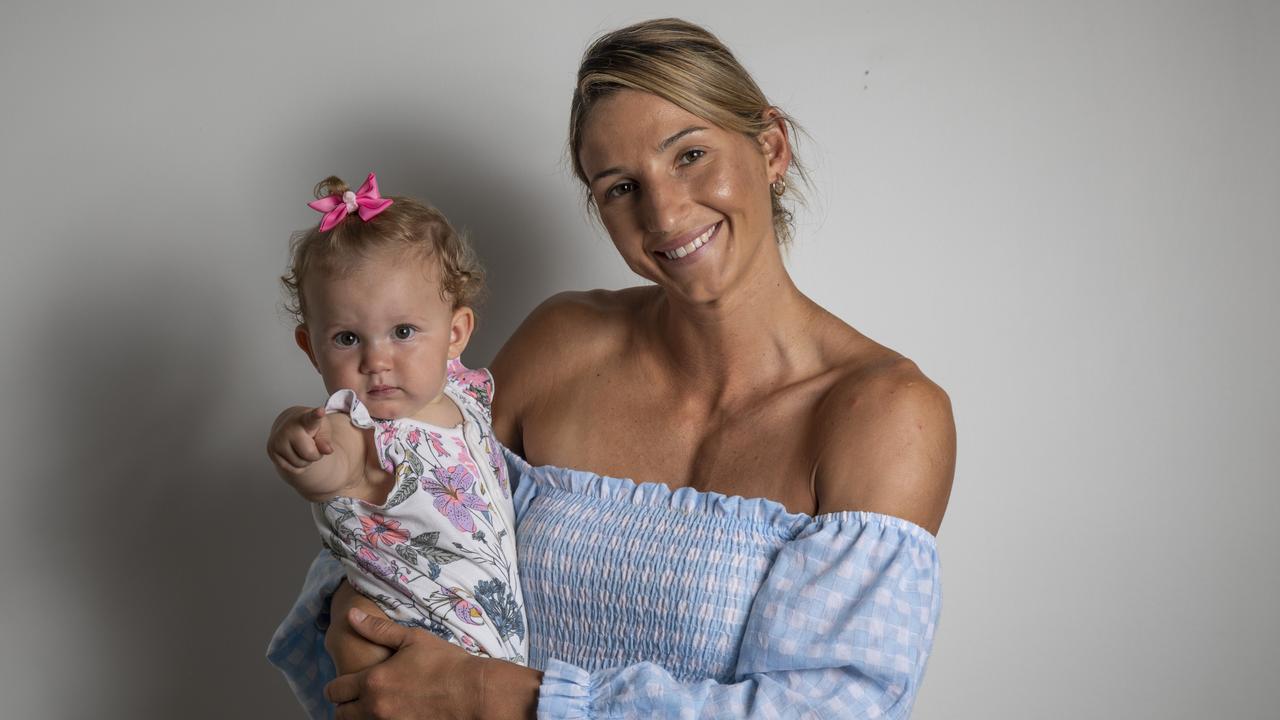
686	249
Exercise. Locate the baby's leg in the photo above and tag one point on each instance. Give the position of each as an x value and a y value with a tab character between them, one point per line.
349	650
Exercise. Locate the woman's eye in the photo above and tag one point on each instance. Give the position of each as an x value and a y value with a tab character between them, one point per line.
404	332
691	156
620	189
346	338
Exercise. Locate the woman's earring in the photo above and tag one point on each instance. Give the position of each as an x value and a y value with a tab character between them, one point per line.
779	186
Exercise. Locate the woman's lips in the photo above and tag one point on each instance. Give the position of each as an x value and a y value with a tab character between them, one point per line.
690	248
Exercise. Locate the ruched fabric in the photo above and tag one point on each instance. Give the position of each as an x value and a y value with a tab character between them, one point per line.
645	601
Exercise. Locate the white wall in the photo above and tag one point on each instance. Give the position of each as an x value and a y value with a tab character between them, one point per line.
1067	213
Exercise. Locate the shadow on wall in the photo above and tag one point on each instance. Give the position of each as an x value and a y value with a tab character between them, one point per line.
170	518
161	504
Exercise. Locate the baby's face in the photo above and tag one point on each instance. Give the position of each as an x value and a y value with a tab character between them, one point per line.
383	330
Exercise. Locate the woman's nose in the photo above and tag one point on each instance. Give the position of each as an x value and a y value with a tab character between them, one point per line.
662	205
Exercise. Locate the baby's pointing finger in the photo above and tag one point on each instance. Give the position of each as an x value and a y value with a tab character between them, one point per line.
316	428
313	420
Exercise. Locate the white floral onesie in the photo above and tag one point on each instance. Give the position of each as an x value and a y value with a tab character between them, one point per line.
440	553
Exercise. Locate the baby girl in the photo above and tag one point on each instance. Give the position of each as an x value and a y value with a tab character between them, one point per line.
409	487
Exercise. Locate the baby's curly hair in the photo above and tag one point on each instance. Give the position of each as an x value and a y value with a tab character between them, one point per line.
406	224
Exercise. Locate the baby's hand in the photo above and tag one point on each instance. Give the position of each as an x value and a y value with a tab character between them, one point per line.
299	437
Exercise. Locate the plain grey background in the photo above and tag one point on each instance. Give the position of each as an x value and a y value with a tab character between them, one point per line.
1067	213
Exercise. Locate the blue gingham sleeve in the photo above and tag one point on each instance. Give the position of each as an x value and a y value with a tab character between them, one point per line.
841	628
297	648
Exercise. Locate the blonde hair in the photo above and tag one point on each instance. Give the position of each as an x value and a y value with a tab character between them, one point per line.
406	224
689	67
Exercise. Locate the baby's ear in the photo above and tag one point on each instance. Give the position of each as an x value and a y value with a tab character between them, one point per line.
463	323
303	339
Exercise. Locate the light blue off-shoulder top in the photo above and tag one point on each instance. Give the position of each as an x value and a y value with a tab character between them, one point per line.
644	601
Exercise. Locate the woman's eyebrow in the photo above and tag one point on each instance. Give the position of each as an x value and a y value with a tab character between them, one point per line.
671	140
662	146
615	170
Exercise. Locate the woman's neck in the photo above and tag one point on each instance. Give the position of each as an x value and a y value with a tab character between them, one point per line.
759	334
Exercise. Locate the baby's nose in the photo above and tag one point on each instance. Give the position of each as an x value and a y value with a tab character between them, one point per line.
375	360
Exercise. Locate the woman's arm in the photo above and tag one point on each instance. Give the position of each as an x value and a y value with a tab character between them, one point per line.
841	628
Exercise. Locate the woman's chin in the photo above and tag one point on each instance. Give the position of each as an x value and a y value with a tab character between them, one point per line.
695	291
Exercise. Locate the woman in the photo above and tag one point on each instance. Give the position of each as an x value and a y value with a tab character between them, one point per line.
772	553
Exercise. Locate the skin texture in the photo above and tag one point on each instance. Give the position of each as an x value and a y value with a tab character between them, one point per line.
721	376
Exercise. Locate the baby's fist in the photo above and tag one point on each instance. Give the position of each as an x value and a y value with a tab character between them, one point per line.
299	437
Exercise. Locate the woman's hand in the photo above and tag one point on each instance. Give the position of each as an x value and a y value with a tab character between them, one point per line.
425	677
428	678
349	650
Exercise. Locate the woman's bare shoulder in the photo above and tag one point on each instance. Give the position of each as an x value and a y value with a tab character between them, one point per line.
576	323
887	440
567	332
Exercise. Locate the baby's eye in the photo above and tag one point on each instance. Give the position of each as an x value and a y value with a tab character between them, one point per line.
346	338
691	156
620	189
404	332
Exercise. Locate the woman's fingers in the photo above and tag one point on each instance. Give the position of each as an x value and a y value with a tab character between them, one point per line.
344	688
351	711
379	630
395	688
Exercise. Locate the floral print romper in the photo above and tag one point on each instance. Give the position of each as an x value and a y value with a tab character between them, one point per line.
440	552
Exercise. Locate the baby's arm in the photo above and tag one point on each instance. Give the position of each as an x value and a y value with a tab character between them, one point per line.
320	455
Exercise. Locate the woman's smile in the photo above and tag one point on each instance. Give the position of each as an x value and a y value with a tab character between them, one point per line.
684	249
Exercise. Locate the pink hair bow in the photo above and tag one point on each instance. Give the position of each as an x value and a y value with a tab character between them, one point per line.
366	202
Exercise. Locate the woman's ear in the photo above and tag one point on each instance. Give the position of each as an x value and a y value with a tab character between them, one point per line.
464	321
303	339
775	144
